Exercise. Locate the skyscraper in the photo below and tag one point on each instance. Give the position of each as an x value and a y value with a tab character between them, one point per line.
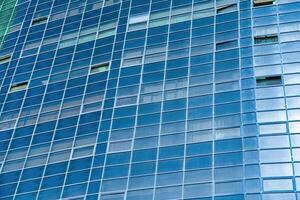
150	99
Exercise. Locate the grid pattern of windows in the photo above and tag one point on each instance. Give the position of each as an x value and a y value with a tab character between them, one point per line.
150	99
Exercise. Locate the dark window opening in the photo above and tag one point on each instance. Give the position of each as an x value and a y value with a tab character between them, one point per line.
227	8
39	20
271	80
226	45
262	2
265	39
18	87
4	59
99	68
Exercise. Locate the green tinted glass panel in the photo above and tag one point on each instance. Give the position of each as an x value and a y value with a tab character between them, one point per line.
7	12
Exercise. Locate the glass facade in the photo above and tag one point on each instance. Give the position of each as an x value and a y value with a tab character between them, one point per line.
150	99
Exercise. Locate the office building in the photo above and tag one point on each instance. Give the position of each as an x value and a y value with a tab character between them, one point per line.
150	99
